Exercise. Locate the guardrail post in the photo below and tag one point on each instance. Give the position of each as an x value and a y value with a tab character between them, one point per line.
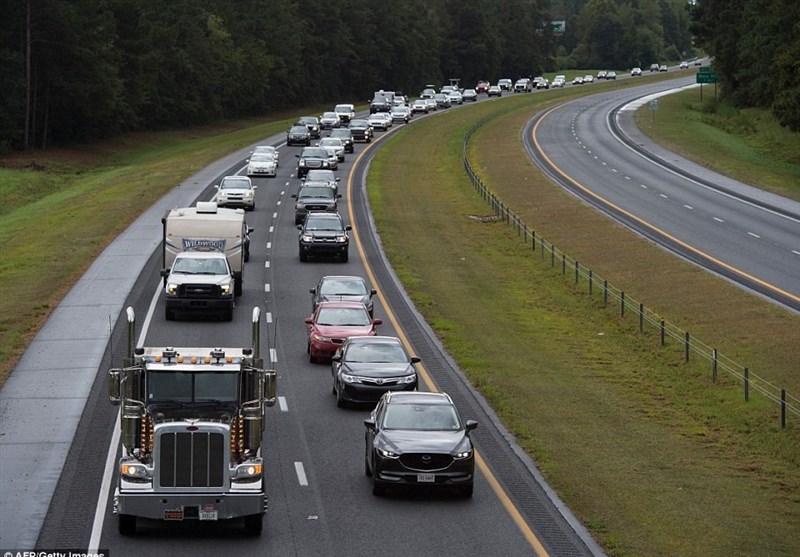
783	408
641	318
605	292
552	255
622	304
590	282
577	266
686	347
714	366
563	263
533	240
746	384
663	331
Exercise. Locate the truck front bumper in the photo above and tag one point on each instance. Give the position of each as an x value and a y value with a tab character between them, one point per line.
189	506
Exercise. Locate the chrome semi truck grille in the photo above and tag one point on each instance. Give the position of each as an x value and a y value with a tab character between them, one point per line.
192	459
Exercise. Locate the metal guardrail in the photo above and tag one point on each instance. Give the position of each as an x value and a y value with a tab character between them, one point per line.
598	286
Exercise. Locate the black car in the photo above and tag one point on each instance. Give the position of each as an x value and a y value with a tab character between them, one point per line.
312	158
323	234
342	288
361	130
298	135
365	368
312	197
312	123
419	439
347	138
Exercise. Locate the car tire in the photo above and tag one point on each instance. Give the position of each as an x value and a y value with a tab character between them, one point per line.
169	315
345	257
466	491
126	524
227	315
367	471
237	286
254	524
378	489
303	256
340	402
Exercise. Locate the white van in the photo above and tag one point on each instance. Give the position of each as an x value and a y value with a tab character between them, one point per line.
208	227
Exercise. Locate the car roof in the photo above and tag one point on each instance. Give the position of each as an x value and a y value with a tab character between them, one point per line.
341	304
342	277
417	397
373	339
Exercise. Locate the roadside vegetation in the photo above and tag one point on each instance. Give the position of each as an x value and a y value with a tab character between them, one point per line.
653	457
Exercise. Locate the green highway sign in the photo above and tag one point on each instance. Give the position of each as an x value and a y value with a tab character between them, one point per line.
707	77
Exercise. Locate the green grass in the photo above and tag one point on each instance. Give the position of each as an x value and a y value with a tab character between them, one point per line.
651	455
748	145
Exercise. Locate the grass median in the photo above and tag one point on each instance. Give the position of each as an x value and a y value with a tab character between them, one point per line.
653	457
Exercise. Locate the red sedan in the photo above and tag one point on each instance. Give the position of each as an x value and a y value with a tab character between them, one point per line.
482	87
333	322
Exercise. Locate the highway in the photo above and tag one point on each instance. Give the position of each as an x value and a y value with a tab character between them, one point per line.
730	228
320	501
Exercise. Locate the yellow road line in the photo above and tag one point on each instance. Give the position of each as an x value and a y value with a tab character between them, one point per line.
505	500
646	224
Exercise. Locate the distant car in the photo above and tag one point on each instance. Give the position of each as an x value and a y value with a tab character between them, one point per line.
654	67
427	93
364	368
401	114
324	234
601	74
268	150
347	138
346	112
636	72
262	164
698	62
431	103
543	83
523	85
470	95
558	81
343	288
312	197
662	68
380	120
312	158
588	78
312	123
236	191
322	177
420	105
361	130
333	322
298	135
577	80
505	84
455	97
494	91
442	100
482	86
334	146
329	120
611	75
684	65
419	439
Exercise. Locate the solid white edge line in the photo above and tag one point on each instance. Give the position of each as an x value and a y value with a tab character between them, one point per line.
108	473
282	404
301	473
273	355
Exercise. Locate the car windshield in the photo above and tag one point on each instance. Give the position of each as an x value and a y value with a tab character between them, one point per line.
343	108
314	153
321	192
421	417
357	123
261	157
357	317
330	142
196	266
375	353
330	115
299	129
320	175
341	133
308	120
316	223
343	287
234	185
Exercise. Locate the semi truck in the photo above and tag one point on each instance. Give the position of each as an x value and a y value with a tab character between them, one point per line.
207	226
191	422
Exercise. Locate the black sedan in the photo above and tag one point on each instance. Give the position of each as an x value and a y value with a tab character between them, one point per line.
419	439
298	135
364	368
342	288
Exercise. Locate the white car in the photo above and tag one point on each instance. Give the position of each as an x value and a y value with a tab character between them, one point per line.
578	80
420	105
588	78
505	84
431	102
401	114
262	164
684	65
268	150
635	72
334	146
455	97
557	82
346	112
329	120
236	191
380	120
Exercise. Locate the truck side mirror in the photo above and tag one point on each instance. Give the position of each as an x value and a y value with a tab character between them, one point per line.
113	386
165	273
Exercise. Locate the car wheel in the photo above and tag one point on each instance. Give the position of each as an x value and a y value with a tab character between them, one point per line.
345	256
227	315
466	491
254	524
169	315
367	471
378	489
340	402
237	286
333	388
127	524
303	256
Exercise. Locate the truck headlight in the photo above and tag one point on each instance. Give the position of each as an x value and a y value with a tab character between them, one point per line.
341	239
247	472
226	289
307	238
172	288
135	472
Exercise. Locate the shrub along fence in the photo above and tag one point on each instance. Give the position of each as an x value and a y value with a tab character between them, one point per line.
599	287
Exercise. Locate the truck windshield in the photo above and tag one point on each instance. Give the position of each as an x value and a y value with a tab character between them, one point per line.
192	387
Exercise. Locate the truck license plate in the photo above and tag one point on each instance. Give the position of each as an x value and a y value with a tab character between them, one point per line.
208	514
426	478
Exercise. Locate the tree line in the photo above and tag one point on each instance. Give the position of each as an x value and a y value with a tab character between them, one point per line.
78	70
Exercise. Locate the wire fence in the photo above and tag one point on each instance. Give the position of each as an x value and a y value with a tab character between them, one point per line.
598	287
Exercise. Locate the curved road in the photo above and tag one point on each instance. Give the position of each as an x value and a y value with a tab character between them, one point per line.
320	502
742	233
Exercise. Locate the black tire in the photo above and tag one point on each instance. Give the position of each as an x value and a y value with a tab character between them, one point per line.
227	315
345	256
378	489
340	402
466	491
126	524
303	256
246	255
254	524
169	315
237	286
367	471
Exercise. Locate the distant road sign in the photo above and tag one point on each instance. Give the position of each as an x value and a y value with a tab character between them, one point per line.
707	77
